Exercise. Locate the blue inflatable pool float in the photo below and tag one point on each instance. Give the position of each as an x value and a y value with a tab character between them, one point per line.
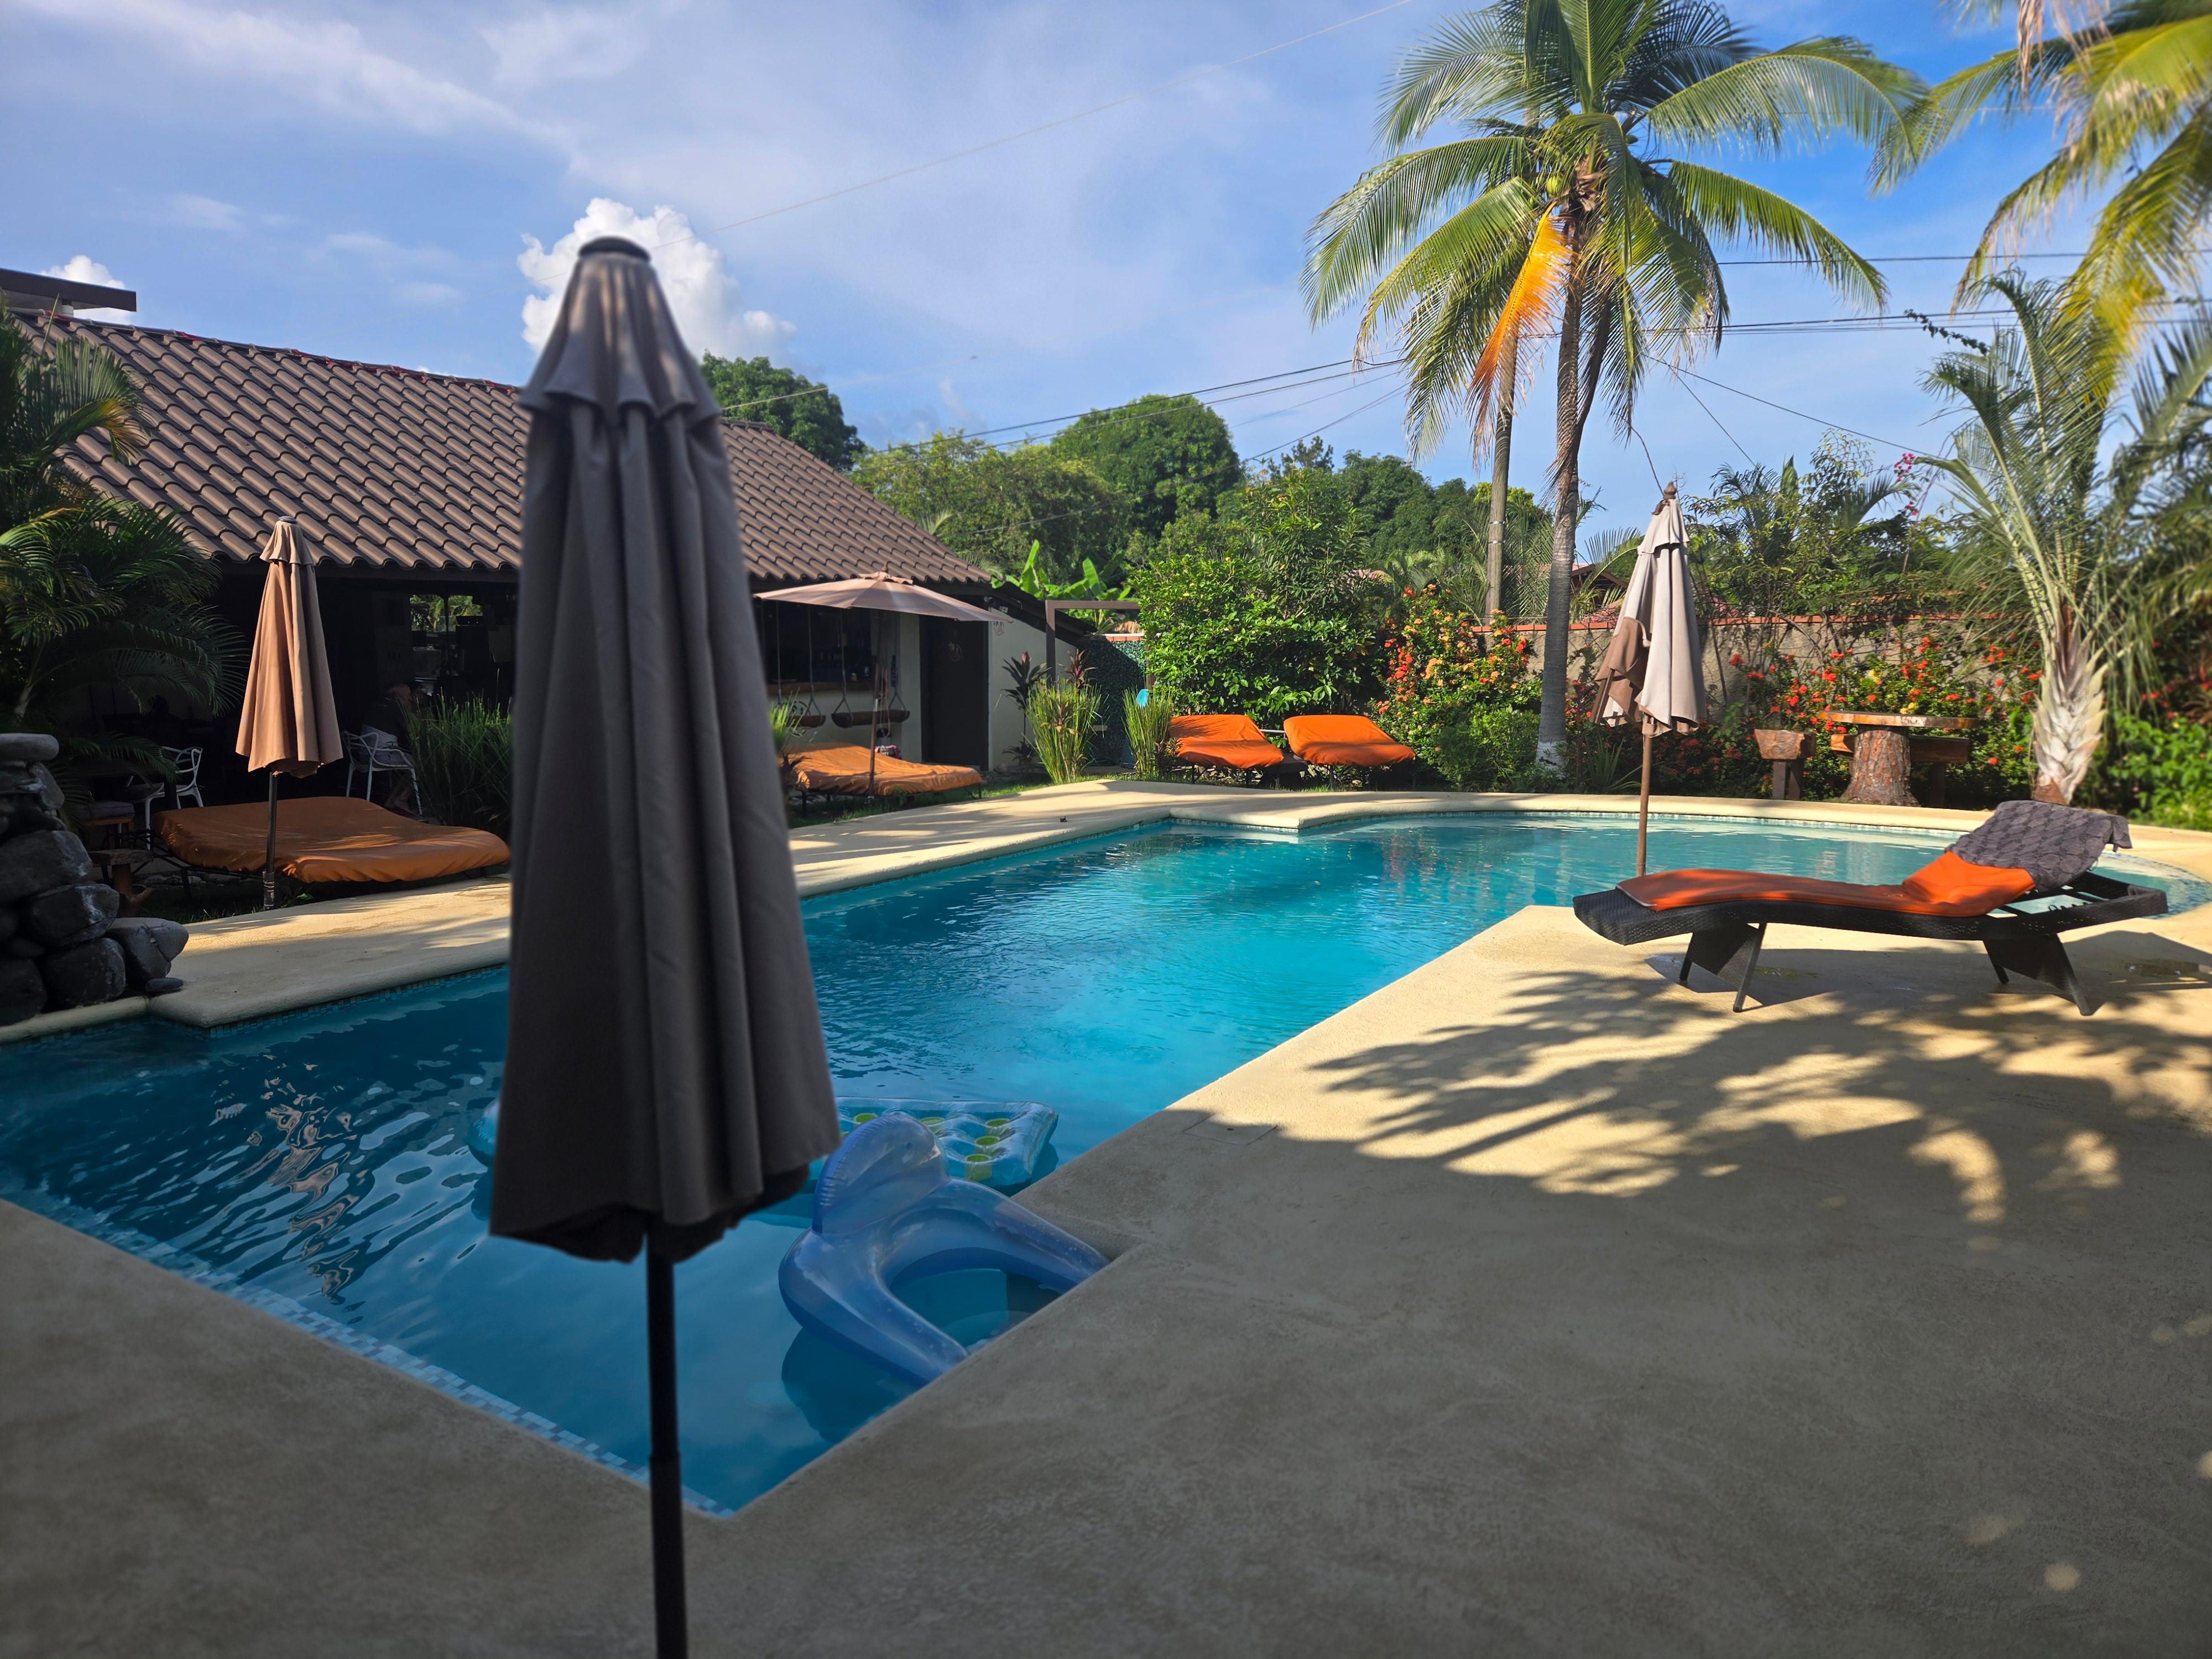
887	1209
995	1144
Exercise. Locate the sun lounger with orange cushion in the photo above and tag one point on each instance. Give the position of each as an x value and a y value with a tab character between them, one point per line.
2014	885
1231	742
1343	740
327	838
843	769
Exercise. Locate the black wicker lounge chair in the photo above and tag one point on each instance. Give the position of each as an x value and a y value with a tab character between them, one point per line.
2013	885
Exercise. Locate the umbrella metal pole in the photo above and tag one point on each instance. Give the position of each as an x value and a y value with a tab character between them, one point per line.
671	1629
1644	801
269	860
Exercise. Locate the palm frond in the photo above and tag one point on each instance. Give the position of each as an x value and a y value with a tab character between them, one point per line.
1801	95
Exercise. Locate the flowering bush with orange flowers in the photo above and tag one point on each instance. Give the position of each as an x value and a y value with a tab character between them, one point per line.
1459	695
1927	675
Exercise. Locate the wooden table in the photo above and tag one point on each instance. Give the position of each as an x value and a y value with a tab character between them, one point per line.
1885	748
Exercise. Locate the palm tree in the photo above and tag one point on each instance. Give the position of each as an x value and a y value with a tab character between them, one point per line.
1553	215
93	593
2133	91
2080	554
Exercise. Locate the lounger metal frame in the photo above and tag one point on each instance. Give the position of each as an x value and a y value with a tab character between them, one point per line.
1726	938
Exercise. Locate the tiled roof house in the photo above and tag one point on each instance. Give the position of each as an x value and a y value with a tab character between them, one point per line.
407	484
393	470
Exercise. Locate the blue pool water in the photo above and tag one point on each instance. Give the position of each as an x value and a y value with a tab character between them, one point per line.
316	1163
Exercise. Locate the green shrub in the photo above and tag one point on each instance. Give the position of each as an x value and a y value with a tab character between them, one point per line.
1263	611
1063	717
1147	724
464	764
2161	771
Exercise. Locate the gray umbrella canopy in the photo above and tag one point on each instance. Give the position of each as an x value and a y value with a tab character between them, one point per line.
1652	665
665	1066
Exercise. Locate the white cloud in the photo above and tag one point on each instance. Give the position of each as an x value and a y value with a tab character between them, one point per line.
330	62
703	294
192	212
568	44
83	268
427	295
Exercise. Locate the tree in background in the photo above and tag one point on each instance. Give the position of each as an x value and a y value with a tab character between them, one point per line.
1421	534
805	411
1264	611
1166	455
93	593
992	505
1555	216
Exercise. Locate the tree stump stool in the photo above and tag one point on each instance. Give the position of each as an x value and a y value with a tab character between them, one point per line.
1882	751
1786	749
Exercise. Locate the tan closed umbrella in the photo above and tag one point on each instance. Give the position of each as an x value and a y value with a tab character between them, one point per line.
1650	671
289	721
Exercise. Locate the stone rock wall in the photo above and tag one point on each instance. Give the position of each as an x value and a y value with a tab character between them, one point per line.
62	944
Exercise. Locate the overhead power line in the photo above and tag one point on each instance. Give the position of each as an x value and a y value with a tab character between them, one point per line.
1183	80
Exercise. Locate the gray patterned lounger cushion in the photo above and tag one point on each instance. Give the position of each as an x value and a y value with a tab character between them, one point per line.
2054	844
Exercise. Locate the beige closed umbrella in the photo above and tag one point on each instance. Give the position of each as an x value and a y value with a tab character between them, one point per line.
1650	671
288	722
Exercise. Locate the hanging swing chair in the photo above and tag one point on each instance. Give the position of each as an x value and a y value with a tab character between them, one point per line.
813	716
844	713
891	711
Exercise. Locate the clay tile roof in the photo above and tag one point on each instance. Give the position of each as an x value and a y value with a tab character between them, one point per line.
397	469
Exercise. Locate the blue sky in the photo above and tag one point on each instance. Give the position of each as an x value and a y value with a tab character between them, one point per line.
383	181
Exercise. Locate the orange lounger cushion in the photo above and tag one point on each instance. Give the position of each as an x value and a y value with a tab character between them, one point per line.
1949	887
843	769
1225	740
327	838
1343	740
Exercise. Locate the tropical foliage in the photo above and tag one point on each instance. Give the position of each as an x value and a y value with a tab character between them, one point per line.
1557	215
1264	611
2072	549
993	506
93	593
464	764
803	410
2131	87
1063	716
1146	715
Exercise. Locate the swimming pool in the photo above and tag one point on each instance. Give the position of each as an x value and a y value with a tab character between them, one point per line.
316	1163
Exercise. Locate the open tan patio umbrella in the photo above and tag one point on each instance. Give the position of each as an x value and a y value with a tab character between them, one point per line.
289	722
665	1071
1651	672
880	592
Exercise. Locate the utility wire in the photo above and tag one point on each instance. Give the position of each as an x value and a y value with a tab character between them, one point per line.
1835	425
1046	126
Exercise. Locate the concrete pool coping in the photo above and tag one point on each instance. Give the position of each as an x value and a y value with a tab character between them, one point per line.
1531	1302
253	967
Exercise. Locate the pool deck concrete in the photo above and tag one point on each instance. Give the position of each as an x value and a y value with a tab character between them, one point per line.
1532	1304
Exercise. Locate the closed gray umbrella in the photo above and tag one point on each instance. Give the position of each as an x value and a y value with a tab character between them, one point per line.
665	1067
1651	669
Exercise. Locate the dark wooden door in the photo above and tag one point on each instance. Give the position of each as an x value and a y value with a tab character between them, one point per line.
956	692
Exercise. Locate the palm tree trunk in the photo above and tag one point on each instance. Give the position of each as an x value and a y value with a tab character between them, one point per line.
2069	714
1551	713
1501	458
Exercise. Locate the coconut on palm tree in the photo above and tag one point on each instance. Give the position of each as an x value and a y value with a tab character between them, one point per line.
2132	90
1559	212
2080	553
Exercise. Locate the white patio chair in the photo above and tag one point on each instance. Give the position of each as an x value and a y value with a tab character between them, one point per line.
371	751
